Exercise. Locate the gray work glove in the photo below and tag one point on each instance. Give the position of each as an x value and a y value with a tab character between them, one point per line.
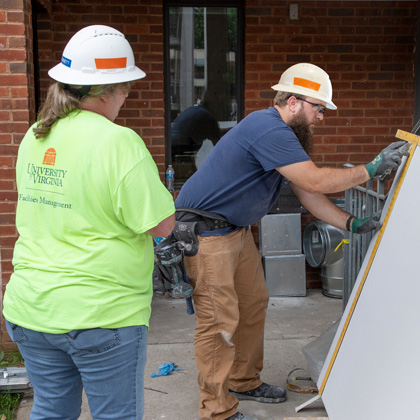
387	161
366	224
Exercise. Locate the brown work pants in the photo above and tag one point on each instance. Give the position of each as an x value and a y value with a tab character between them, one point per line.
230	297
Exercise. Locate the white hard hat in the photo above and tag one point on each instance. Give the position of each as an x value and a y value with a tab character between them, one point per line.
308	80
97	55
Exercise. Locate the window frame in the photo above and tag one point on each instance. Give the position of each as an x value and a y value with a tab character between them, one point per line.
239	64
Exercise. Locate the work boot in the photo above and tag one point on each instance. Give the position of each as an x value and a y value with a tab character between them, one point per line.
240	416
264	393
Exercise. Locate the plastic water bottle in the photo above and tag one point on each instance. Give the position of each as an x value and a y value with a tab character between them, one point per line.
170	179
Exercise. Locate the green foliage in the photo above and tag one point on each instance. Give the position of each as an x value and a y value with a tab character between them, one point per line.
199	28
13	358
231	17
10	402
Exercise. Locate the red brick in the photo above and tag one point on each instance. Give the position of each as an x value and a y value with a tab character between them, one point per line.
13	80
319	148
12	55
16	17
8	195
20	115
7	266
7	207
17	42
6	162
7	184
7	219
376	131
12	29
17	92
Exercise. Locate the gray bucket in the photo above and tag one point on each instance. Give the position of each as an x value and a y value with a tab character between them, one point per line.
320	242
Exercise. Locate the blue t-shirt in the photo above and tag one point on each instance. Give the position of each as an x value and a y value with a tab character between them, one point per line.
238	180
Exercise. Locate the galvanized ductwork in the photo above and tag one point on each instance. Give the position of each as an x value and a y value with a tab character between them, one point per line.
323	247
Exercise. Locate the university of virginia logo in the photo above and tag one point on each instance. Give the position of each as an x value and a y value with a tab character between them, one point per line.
49	157
45	175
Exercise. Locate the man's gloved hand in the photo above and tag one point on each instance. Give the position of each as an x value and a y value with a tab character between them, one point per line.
366	224
389	159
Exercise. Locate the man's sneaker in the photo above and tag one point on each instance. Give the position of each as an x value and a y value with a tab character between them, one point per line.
264	393
240	416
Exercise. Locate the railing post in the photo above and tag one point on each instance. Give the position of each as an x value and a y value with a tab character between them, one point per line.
360	202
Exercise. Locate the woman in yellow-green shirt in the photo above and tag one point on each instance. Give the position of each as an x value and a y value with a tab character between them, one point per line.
89	202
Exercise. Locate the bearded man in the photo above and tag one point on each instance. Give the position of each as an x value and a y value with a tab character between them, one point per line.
238	183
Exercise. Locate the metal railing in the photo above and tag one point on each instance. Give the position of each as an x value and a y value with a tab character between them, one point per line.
360	202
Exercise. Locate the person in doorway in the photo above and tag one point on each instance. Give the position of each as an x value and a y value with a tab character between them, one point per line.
90	199
195	130
238	183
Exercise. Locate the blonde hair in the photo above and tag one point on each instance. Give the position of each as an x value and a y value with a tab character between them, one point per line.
63	99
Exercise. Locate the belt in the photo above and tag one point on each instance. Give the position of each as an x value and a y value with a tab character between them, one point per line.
205	220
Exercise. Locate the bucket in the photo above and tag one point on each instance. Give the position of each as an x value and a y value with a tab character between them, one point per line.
321	248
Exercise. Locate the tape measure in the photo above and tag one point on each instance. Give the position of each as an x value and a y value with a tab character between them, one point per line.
302	389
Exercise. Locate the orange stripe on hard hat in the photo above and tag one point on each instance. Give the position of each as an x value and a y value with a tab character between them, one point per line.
306	83
111	63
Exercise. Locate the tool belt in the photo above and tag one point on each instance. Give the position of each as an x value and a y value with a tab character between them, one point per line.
169	254
189	222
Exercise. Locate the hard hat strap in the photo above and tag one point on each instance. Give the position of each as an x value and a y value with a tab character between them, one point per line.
78	93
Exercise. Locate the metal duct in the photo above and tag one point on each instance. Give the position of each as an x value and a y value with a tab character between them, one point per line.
321	246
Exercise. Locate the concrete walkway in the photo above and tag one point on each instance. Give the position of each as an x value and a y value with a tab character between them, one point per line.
291	323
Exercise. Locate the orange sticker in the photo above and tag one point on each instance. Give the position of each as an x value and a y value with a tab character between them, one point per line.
49	157
111	63
306	84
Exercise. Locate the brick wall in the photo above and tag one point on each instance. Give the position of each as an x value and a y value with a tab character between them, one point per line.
367	47
143	27
17	112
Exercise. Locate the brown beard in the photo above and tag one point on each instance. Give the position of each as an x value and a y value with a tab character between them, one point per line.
300	127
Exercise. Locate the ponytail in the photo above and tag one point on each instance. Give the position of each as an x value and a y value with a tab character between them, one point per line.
58	104
63	99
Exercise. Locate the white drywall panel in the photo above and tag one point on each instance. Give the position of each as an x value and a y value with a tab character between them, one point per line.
374	373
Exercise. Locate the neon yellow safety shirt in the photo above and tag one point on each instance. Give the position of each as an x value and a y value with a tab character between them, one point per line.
87	194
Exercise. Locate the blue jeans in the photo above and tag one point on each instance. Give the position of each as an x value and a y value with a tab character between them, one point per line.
107	363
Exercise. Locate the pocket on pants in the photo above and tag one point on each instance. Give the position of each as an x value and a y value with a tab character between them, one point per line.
96	340
16	332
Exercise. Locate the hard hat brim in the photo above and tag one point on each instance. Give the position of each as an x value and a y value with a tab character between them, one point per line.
64	74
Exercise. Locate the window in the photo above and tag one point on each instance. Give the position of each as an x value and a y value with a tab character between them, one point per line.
203	80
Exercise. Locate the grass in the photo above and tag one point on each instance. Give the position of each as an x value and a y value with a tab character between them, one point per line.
9	402
12	358
8	405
